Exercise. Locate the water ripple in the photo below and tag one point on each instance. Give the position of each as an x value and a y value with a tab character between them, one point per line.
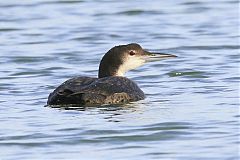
192	102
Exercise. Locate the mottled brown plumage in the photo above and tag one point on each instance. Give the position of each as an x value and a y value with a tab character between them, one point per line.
87	91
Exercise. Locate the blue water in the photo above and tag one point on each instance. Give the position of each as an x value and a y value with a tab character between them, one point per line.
192	105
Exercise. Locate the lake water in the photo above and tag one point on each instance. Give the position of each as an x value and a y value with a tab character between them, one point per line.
192	105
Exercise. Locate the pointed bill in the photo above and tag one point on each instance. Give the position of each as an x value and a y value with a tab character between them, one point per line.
151	57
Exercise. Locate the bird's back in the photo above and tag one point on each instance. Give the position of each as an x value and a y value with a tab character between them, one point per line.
90	91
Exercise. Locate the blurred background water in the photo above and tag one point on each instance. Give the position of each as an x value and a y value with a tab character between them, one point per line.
192	105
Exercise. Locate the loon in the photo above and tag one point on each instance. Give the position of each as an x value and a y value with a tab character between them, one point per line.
111	87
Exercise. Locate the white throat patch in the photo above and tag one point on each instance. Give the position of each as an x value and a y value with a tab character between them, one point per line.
130	63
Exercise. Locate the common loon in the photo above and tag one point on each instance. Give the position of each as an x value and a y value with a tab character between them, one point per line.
110	87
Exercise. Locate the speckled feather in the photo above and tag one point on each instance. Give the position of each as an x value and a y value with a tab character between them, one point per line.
86	90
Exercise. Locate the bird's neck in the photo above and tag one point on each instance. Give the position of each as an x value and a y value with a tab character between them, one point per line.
109	70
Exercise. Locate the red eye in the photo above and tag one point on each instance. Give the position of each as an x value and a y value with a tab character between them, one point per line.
132	53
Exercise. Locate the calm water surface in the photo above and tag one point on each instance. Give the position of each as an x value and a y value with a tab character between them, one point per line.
192	105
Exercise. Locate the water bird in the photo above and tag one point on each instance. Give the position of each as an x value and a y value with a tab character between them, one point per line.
111	87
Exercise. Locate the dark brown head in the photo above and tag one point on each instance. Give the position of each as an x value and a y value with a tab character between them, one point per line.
120	59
